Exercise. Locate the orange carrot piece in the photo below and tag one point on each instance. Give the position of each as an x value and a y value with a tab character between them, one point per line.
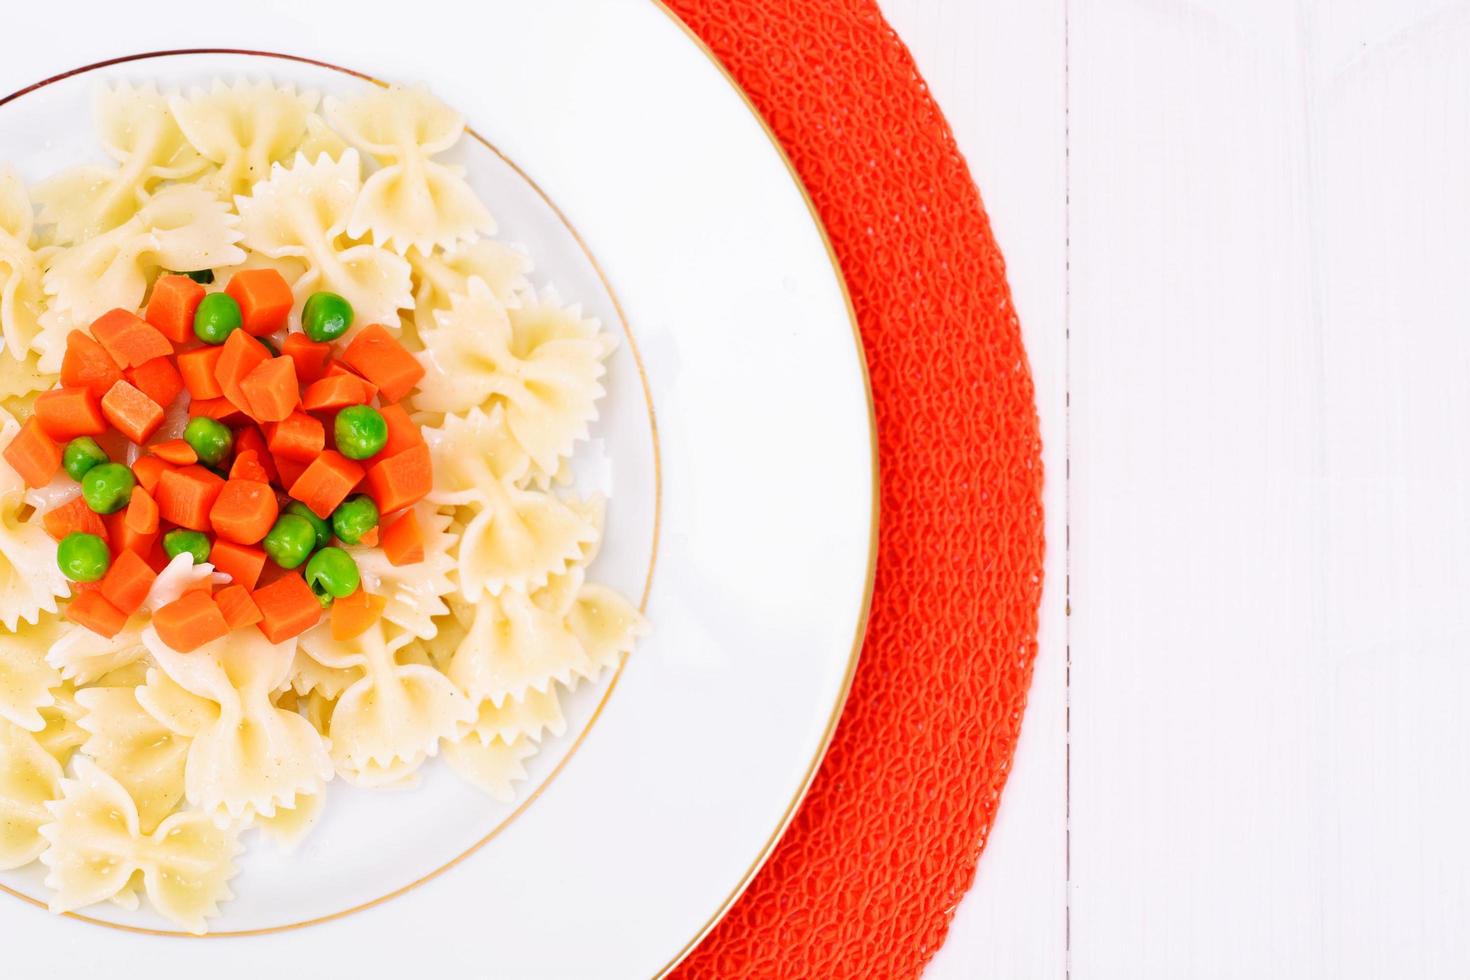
289	469
299	437
242	563
171	307
401	480
127	582
248	439
158	379
265	300
369	538
219	409
131	412
71	517
190	621
354	615
247	466
147	469
287	607
130	339
403	539
244	511
271	389
33	455
87	365
402	432
65	413
91	610
385	362
197	369
311	356
237	607
326	482
186	495
175	451
240	355
142	512
336	391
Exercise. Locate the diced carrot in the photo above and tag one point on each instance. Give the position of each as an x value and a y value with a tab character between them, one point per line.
299	437
248	439
65	413
244	511
385	362
326	482
147	469
156	557
140	544
190	621
131	412
240	355
289	469
91	610
158	379
369	538
33	455
175	451
287	607
353	615
265	299
142	512
197	369
336	391
311	356
219	409
242	563
130	339
186	495
71	517
127	582
271	389
247	466
87	365
171	307
401	480
402	432
403	539
237	607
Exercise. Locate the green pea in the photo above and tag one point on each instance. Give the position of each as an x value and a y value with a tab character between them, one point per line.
107	487
80	455
332	572
323	528
217	316
290	541
84	557
360	432
205	277
326	316
355	517
193	543
210	439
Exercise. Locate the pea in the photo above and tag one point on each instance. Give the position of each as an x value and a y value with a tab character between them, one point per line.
210	439
205	277
193	543
217	316
323	528
80	455
355	517
107	487
332	572
84	557
360	432
290	541
326	316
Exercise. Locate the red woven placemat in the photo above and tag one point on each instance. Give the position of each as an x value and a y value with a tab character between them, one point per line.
867	878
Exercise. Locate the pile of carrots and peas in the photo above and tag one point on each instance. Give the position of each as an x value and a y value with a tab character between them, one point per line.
286	450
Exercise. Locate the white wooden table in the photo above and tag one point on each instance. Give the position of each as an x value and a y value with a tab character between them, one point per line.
1238	234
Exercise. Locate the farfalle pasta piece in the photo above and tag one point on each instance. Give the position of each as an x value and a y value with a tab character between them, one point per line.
181	227
301	211
396	714
517	538
96	845
289	826
321	139
310	677
21	293
26	679
173	707
538	713
140	133
136	749
243	128
30	581
411	201
414	593
540	361
490	763
62	735
29	779
512	646
438	276
252	757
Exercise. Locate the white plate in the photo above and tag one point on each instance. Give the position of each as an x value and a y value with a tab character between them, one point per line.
750	503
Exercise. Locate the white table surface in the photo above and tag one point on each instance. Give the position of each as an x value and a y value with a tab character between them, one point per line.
1238	234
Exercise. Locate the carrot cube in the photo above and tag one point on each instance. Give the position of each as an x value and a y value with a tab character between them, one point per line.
403	539
353	615
242	563
72	517
190	621
240	354
197	368
265	299
130	339
299	437
33	454
244	511
87	365
289	469
336	391
142	512
65	413
131	412
247	466
249	439
400	480
311	356
147	469
186	495
175	451
402	432
127	582
158	379
92	610
171	307
271	389
287	607
326	482
237	607
219	409
385	362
